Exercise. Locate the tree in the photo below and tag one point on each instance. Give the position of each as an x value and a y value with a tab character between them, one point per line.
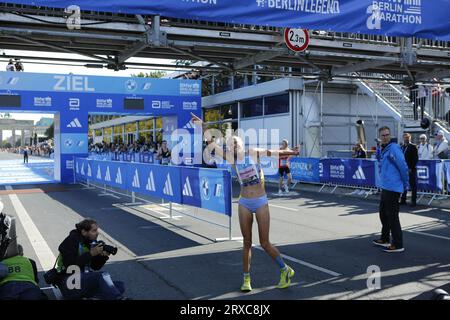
50	131
18	143
151	74
7	145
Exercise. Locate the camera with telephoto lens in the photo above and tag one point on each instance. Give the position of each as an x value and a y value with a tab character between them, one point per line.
107	248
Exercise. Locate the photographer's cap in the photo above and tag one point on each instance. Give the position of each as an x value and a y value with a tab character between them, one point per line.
440	133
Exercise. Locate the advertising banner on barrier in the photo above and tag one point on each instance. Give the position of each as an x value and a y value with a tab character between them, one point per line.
429	175
160	181
207	188
352	172
204	188
305	169
404	18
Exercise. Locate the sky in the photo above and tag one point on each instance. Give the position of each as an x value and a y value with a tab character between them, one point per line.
48	67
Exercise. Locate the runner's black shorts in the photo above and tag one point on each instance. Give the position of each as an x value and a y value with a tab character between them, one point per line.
284	170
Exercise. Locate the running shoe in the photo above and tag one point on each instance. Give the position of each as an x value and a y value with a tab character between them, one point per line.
280	193
246	286
285	277
381	243
392	248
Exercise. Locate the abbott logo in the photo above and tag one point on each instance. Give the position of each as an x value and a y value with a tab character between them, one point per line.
423	172
187	190
359	174
74	104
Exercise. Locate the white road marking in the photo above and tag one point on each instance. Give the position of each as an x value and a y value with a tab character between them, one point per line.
429	234
43	252
281	207
304	263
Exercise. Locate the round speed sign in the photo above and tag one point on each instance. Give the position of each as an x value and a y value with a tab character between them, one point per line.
296	39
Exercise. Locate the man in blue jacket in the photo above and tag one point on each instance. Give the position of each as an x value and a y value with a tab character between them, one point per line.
393	181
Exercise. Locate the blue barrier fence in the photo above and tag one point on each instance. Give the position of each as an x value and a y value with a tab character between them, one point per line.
358	173
203	188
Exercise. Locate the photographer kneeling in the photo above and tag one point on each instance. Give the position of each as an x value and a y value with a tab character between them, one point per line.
82	249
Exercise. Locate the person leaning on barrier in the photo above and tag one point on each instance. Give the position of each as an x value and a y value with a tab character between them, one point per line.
81	251
164	154
393	181
441	147
425	149
412	157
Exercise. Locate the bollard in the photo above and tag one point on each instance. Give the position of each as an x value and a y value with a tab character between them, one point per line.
133	197
170	209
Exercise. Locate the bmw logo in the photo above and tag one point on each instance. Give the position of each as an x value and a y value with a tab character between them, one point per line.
131	85
68	143
206	190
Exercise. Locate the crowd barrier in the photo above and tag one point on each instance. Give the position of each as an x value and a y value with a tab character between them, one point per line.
360	174
209	189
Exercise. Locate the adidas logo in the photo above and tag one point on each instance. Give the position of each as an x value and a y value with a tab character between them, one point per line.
107	175
359	174
82	169
187	190
75	123
99	174
119	177
77	170
168	186
89	173
136	183
150	182
189	125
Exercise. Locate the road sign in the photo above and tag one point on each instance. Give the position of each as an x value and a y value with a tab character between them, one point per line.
296	39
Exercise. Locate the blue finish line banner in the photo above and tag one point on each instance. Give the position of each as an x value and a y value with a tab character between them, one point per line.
204	188
405	18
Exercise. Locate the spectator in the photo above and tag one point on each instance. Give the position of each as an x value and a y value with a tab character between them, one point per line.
25	155
10	66
412	157
209	157
425	149
441	146
360	153
19	65
393	181
164	154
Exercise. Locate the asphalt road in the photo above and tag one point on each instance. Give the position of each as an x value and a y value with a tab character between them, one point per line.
325	238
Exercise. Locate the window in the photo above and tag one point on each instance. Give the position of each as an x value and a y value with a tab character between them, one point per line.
159	123
108	131
252	108
130	127
276	104
229	111
146	125
118	130
212	115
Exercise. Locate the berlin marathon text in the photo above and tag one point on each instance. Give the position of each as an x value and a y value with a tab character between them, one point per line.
311	6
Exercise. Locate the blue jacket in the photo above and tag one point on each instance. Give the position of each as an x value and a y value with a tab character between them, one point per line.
393	169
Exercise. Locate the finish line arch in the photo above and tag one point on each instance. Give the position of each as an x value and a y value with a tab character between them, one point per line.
72	97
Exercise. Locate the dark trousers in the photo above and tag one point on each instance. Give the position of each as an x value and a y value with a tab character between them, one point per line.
94	285
25	159
412	185
389	211
21	290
